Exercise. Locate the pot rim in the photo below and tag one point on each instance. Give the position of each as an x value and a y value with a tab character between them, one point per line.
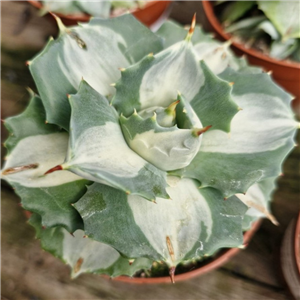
215	263
297	243
84	17
208	10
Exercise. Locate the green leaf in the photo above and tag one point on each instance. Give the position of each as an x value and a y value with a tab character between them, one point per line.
156	80
215	54
95	8
235	9
30	122
218	91
282	50
67	7
261	136
84	255
193	224
167	148
34	147
284	15
93	51
173	32
99	152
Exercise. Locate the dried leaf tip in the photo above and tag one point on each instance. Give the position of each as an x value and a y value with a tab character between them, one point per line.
19	169
231	83
172	274
28	63
198	132
78	265
192	28
56	168
131	261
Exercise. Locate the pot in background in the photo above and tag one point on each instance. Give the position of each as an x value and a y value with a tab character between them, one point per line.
285	73
148	15
290	257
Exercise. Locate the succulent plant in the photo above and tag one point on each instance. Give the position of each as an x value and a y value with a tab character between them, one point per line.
273	26
126	158
94	8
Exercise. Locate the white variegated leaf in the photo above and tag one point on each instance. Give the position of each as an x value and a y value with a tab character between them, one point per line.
99	152
167	148
91	51
194	223
34	147
261	136
84	255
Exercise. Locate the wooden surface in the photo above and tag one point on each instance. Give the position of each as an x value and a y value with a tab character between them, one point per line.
32	274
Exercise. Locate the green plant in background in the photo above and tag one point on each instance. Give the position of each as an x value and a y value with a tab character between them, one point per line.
94	8
133	166
271	26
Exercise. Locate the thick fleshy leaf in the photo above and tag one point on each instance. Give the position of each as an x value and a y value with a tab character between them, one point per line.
261	136
218	91
84	255
33	148
193	224
235	9
99	152
156	80
93	51
173	33
167	148
284	15
258	199
216	55
67	7
95	8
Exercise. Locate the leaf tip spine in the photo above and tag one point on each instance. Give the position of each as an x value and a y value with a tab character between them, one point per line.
198	132
131	261
122	69
231	83
113	84
56	168
28	63
127	192
192	28
172	274
150	54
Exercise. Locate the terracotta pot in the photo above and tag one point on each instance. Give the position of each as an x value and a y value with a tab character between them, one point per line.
285	73
222	257
148	15
290	257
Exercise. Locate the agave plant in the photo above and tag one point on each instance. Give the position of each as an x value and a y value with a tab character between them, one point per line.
94	8
271	26
130	150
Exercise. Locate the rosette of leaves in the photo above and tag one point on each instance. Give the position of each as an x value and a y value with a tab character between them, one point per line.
273	27
94	8
139	150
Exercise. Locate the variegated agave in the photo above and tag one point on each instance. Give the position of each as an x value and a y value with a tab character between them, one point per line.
94	8
144	164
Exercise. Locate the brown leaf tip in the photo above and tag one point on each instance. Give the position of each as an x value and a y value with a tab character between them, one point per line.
56	168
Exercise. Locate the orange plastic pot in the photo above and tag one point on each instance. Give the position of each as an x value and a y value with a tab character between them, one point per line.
285	73
148	15
218	261
290	257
